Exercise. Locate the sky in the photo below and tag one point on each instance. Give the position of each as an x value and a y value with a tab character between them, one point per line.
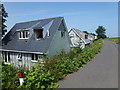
86	16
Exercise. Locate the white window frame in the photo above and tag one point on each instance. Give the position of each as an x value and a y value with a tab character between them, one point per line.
21	37
35	35
19	57
39	57
7	58
33	60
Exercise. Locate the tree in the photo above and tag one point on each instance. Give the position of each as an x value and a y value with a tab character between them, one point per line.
3	16
93	34
86	32
101	32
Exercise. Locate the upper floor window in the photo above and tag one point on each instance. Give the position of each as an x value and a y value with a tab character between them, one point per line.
38	33
24	34
86	36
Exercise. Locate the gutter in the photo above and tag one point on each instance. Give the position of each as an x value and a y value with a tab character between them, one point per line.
22	51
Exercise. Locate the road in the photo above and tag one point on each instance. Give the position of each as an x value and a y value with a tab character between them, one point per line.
101	72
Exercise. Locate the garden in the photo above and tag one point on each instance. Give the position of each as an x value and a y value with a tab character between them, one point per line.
47	74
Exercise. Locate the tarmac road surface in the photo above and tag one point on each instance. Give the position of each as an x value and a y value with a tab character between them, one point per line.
101	72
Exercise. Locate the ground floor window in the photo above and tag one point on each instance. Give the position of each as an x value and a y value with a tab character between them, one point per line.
32	56
6	56
36	56
20	56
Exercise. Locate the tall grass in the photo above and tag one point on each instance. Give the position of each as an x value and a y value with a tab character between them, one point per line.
116	40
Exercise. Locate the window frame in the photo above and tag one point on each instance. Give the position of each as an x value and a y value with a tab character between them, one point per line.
24	34
19	56
86	36
6	57
34	57
38	34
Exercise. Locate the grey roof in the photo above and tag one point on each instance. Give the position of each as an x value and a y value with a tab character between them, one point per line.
12	41
81	35
91	36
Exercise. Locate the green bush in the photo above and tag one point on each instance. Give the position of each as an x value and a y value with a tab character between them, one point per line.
10	77
52	70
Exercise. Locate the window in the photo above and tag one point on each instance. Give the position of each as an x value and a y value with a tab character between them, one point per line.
38	33
34	56
86	36
20	56
7	56
62	34
26	34
23	34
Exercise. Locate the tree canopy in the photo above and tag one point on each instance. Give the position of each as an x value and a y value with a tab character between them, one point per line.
101	32
3	16
93	34
86	32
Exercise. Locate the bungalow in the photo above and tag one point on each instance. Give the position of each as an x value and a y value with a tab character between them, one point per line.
29	41
92	37
78	37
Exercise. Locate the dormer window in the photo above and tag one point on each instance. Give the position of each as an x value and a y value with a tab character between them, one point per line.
38	33
23	34
86	36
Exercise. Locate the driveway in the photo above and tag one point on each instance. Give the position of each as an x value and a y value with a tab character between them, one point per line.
101	72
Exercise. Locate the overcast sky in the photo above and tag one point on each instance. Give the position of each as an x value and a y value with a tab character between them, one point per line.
81	15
